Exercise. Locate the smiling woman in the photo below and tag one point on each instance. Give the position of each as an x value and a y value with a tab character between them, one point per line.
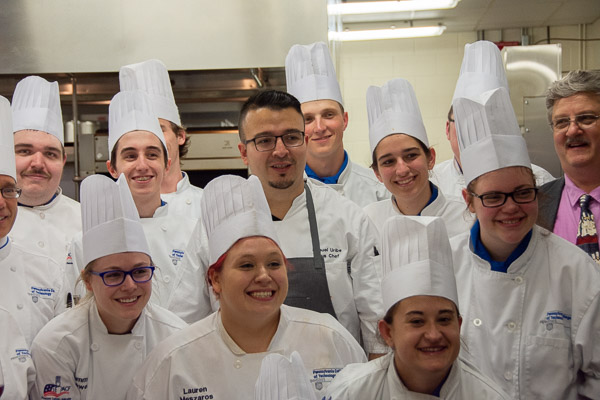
248	274
537	341
402	159
77	354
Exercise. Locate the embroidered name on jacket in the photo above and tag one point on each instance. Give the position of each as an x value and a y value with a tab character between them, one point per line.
556	317
37	292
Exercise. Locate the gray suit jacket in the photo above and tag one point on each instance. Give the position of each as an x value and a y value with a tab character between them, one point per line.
548	201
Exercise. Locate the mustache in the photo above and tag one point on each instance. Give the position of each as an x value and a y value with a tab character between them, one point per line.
34	171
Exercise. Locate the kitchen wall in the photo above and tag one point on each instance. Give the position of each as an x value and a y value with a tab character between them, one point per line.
432	66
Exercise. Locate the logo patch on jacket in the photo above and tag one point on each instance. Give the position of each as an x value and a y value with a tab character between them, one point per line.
21	354
556	317
55	390
176	256
43	293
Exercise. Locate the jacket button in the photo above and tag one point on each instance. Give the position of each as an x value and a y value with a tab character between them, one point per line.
188	202
41	244
164	228
19	306
95	347
511	326
507	375
42	215
138	345
519	279
237	364
167	279
477	322
13	268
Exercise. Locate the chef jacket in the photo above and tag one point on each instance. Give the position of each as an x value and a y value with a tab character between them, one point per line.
359	184
76	358
379	380
48	229
452	211
16	368
534	329
185	200
448	177
349	246
33	288
203	360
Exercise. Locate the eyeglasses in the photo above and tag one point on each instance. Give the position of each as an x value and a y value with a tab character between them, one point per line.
268	143
11	192
117	277
496	199
583	121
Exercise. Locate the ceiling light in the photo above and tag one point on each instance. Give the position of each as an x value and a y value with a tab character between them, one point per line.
374	7
401	33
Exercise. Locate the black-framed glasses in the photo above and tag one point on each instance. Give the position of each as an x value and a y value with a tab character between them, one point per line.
268	143
583	121
496	199
10	192
117	277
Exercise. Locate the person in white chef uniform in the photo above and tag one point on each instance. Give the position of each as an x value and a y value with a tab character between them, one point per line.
481	70
530	299
93	350
152	77
47	219
310	77
220	356
138	150
329	239
422	324
33	287
402	159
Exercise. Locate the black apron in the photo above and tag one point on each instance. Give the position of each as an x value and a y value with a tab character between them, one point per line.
307	279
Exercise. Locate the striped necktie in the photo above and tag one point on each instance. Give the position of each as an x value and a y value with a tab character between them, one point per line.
587	238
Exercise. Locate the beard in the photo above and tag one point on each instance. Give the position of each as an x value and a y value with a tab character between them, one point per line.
282	184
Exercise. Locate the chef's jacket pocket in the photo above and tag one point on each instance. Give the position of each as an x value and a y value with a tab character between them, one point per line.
340	286
548	367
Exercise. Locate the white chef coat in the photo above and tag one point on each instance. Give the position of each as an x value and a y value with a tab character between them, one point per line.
535	328
348	243
359	184
16	368
168	237
33	287
203	360
185	200
378	379
452	211
48	229
448	177
75	355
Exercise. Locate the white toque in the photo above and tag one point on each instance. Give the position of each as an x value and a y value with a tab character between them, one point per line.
417	260
7	141
152	78
393	108
234	208
310	75
132	111
36	106
110	220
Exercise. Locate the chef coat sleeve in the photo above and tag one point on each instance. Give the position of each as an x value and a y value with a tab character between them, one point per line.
190	299
365	271
587	348
54	373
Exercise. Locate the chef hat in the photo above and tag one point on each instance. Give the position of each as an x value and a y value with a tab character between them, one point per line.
110	220
417	260
36	106
481	70
281	378
152	78
310	75
489	137
7	141
393	108
132	111
234	208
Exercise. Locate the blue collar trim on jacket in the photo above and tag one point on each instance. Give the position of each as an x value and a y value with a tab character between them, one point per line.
481	251
328	179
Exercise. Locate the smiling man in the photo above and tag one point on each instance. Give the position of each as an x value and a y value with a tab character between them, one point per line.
47	219
152	78
32	285
328	239
311	79
570	205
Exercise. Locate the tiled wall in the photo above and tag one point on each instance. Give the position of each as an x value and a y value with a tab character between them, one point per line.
432	65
